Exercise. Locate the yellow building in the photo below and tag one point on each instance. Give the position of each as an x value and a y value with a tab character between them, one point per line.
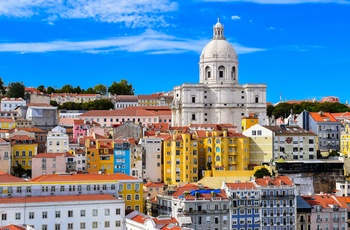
345	140
7	123
187	154
249	121
100	155
23	149
118	185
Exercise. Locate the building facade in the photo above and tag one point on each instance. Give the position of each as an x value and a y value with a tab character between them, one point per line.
218	98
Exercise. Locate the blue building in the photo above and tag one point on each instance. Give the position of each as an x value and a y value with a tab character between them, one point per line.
122	159
245	205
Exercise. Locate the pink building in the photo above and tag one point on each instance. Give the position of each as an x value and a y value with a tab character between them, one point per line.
139	114
327	212
81	128
51	163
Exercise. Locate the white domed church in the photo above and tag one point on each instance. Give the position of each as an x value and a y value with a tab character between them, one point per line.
218	98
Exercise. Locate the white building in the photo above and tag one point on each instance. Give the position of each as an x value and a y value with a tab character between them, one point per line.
151	158
57	142
99	211
218	98
10	104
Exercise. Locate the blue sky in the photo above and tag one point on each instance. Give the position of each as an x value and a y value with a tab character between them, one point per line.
298	48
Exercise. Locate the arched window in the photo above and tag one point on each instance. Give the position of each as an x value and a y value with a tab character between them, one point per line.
217	141
209	149
207	72
209	141
209	158
256	99
233	73
221	71
217	158
217	149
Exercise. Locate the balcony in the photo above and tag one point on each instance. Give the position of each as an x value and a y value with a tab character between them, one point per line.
318	220
335	219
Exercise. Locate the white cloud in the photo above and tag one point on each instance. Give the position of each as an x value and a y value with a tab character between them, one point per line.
235	17
150	42
135	13
283	1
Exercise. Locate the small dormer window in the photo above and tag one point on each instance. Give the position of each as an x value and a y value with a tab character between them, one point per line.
221	71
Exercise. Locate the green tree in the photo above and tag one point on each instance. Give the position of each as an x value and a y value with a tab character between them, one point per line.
103	104
15	90
77	90
50	90
101	89
269	110
71	106
2	88
53	103
67	89
260	173
18	170
89	91
41	88
121	88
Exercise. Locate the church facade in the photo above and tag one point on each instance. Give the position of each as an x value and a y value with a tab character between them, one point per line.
218	98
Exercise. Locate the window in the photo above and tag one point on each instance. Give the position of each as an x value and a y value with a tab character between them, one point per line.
70	226
82	213
94	212
128	186
58	214
31	215
107	224
3	216
128	197
94	224
193	99
117	211
137	197
117	223
70	213
44	227
82	225
57	226
107	212
18	216
137	187
193	117
44	215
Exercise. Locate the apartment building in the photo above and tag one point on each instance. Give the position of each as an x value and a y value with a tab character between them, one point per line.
5	153
245	205
325	126
10	104
51	163
188	153
57	142
278	197
151	148
23	149
327	212
197	207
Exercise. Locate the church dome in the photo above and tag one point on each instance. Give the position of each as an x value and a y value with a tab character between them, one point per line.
218	47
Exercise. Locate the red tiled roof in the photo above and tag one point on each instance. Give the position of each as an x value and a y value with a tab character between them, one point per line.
12	227
44	199
325	200
322	117
5	178
52	155
82	177
39	105
280	180
241	185
154	184
9	120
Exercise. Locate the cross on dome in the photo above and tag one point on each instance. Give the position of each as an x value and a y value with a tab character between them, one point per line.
219	31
